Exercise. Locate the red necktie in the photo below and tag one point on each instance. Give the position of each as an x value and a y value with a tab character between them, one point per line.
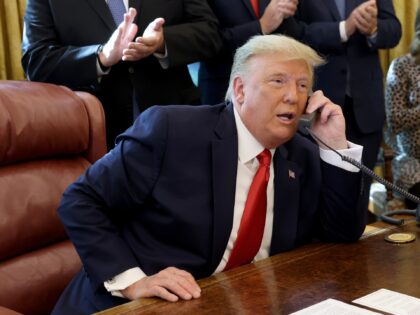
251	230
254	4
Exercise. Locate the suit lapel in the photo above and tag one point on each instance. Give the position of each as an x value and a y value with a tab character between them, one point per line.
286	202
247	4
224	163
332	7
101	8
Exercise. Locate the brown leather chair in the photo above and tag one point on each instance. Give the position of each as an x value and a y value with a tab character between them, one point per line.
48	136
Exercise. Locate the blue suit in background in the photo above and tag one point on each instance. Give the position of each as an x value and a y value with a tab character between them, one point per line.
352	76
353	66
165	197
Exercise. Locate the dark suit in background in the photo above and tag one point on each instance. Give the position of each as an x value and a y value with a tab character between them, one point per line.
356	60
165	197
238	22
352	76
61	40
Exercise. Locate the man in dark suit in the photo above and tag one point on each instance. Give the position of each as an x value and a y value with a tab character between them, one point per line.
167	205
349	33
239	21
75	43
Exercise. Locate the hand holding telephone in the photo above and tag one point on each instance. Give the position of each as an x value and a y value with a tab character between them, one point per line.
305	123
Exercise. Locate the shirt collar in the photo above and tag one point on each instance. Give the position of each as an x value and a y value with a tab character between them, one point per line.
248	146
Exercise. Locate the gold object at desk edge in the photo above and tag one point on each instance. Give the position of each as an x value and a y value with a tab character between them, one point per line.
400	238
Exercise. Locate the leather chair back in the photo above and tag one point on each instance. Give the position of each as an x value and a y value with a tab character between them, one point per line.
48	136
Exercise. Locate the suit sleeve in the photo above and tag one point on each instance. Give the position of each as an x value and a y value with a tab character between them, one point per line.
45	59
324	36
118	184
343	218
195	38
389	27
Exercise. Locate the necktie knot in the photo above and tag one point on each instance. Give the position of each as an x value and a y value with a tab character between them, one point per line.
264	157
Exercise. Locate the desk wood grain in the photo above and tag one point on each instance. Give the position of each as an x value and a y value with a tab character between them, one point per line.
294	280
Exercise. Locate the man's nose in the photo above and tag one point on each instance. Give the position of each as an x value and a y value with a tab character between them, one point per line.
291	95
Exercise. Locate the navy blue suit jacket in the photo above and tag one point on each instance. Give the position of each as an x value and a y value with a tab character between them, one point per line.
165	197
61	39
237	23
321	19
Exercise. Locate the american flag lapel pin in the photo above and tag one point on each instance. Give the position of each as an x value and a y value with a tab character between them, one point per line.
292	174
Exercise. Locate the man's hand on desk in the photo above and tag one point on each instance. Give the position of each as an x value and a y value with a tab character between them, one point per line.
169	284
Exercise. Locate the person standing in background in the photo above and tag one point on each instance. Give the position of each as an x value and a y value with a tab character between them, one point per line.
349	33
402	107
239	20
130	61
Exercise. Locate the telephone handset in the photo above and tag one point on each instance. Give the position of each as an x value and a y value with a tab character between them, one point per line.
306	120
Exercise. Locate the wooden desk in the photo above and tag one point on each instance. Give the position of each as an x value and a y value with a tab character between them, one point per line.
294	280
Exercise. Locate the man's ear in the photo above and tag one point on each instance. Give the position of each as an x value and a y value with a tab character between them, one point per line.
238	90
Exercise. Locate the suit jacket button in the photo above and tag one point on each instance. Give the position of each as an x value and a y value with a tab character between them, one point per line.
131	70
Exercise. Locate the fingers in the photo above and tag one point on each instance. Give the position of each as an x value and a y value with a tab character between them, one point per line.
328	111
189	283
139	49
365	17
316	101
275	13
170	284
173	283
330	123
287	7
130	15
158	24
319	102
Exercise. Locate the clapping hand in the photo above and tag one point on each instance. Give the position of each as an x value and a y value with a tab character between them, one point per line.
112	51
151	42
275	13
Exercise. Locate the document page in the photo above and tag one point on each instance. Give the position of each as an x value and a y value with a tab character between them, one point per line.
391	302
333	307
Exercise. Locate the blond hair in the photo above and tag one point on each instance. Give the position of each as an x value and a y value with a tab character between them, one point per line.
259	45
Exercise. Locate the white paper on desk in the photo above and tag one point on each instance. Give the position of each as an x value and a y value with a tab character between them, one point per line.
391	302
333	307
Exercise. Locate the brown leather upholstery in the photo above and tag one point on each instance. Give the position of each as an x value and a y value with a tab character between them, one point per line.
48	136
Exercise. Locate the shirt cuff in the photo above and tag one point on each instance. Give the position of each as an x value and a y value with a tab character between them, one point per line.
343	34
354	151
123	281
99	70
371	39
163	59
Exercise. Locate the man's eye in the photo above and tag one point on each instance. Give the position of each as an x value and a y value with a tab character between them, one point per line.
303	87
278	81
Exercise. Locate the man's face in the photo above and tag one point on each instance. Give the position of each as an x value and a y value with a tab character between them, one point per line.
271	97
